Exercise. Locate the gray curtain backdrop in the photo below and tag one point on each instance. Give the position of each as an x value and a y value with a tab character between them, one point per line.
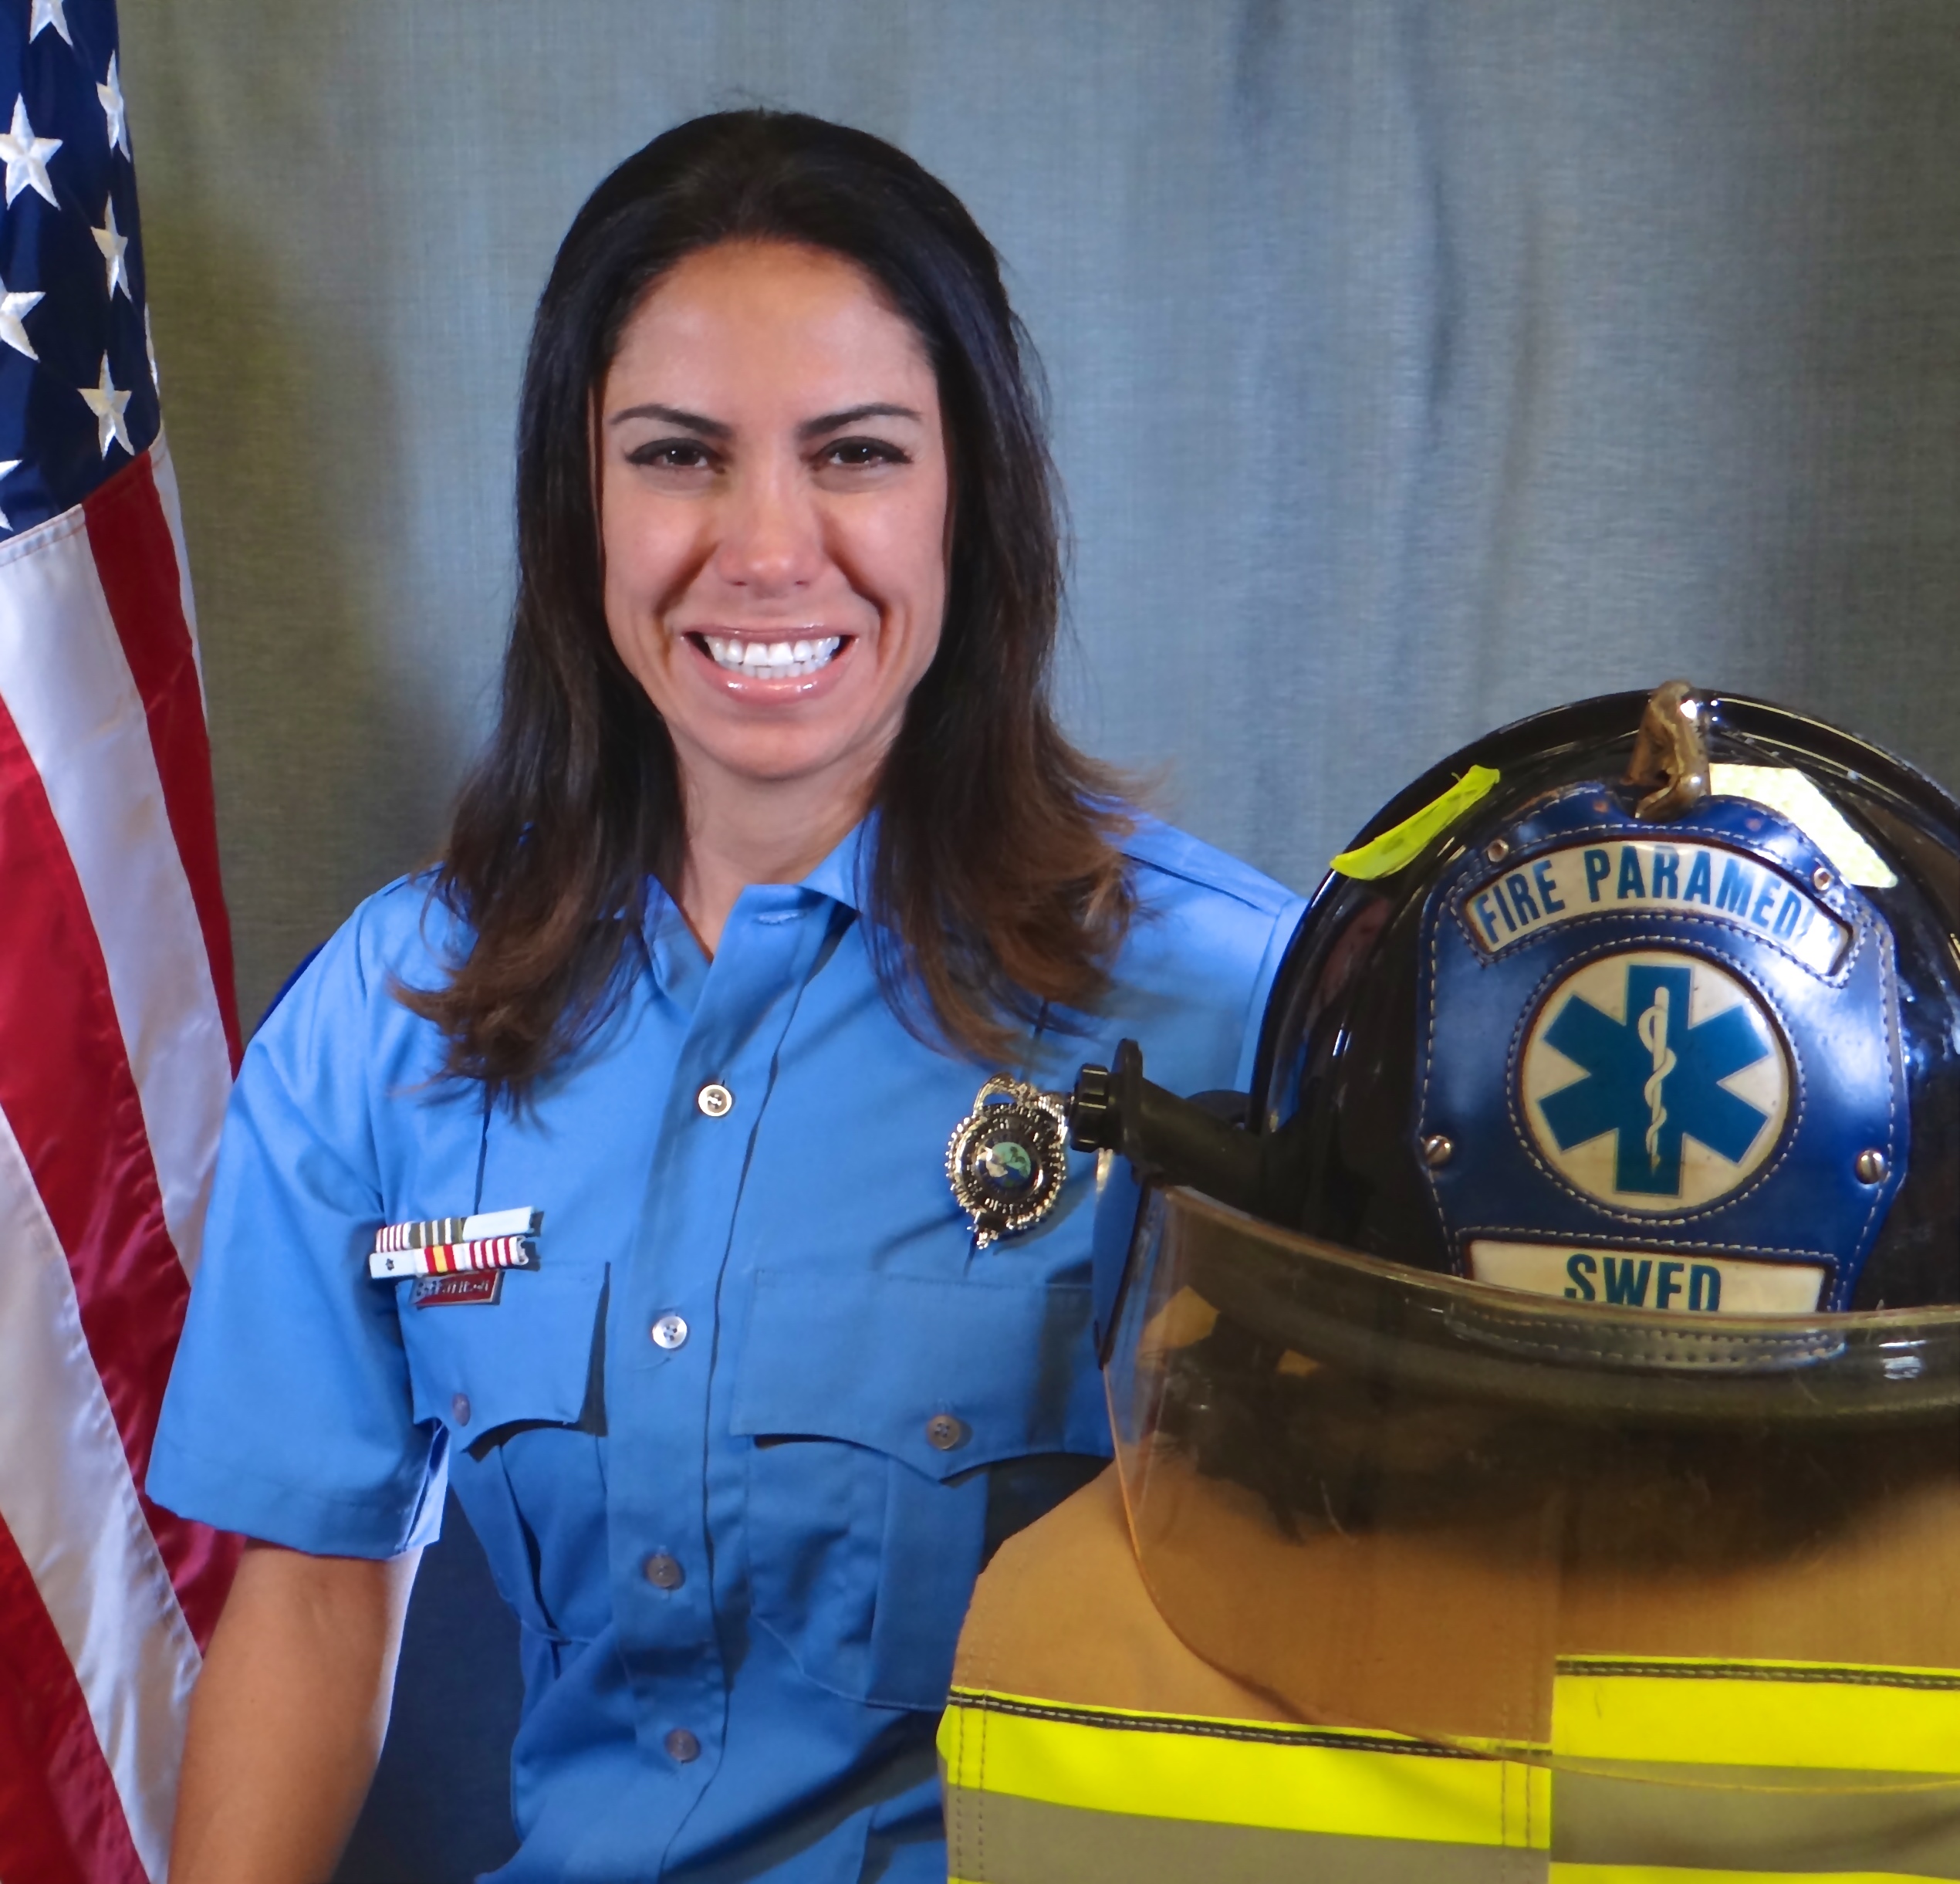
1414	366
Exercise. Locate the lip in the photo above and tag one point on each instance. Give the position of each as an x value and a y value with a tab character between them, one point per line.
752	690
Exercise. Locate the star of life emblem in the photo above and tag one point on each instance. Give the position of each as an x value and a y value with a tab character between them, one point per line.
1653	1080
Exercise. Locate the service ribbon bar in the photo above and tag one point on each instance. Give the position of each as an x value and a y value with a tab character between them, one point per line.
452	1258
432	1231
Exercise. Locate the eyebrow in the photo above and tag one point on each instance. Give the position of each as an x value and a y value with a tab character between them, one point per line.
811	428
674	415
836	422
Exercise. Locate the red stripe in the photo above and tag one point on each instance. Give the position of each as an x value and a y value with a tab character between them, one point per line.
67	1091
61	1820
136	560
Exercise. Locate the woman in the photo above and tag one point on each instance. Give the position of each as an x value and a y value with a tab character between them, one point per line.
775	855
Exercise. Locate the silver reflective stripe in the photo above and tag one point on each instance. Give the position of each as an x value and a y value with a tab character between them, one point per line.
997	1837
1758	1818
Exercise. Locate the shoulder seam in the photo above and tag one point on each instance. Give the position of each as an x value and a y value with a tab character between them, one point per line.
1275	904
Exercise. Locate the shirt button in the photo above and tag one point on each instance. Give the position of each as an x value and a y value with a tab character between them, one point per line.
681	1746
459	1408
715	1100
945	1432
665	1573
670	1332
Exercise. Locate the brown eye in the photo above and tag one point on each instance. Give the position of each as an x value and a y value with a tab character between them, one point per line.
855	453
671	455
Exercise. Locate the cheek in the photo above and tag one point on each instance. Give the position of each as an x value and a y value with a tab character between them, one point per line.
913	554
647	554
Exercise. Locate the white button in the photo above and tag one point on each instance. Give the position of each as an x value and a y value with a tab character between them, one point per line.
715	1100
670	1332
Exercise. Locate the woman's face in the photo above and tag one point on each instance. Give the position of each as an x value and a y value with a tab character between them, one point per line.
773	499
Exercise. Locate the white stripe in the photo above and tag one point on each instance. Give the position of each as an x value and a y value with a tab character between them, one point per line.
65	680
66	1496
165	470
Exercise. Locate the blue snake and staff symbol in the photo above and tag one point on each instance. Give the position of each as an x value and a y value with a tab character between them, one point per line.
1653	1037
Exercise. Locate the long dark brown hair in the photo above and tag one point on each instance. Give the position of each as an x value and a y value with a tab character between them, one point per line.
996	887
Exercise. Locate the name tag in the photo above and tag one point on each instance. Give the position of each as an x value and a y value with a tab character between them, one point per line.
457	1291
1683	1283
1682	879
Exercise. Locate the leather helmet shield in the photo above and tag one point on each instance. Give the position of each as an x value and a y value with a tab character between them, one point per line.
1423	1505
1664	1061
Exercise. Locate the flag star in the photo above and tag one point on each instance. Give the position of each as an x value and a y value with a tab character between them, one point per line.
108	405
26	155
6	465
110	92
150	347
113	242
14	310
48	13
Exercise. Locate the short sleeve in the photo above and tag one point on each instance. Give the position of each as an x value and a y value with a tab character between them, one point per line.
288	1416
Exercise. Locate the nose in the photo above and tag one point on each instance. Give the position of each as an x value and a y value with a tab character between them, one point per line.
769	542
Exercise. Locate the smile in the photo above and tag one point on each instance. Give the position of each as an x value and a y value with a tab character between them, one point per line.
757	660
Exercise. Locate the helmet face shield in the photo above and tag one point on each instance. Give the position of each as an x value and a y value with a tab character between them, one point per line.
1420	1504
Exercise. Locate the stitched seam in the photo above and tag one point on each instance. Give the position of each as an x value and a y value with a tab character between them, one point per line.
1882	1192
1744	1671
1213	1729
1539	1235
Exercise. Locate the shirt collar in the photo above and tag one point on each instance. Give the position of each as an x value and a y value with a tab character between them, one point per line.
842	876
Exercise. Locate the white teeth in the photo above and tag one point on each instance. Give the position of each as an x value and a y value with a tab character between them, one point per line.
771	660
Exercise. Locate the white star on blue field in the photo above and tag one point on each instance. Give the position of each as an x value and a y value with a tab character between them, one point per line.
78	399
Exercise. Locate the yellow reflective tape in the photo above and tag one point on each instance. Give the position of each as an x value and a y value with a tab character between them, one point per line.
1199	1769
1383	856
1763	1714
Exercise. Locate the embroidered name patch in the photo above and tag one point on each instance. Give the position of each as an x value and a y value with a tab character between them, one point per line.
1638	876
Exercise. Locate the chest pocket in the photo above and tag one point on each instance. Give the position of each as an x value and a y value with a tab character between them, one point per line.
881	1408
519	1388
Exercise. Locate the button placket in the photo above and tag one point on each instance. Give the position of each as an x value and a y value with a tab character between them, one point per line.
667	1633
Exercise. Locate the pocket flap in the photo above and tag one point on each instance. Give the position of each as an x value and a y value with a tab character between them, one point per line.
887	1361
528	1356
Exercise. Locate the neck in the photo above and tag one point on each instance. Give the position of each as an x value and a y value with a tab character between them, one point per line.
741	831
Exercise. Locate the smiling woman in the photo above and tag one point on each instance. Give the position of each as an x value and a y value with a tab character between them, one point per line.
776	856
775	545
776	381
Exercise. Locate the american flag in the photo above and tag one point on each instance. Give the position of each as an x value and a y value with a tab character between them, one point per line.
118	1032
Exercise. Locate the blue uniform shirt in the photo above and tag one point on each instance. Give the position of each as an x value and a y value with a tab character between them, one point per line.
741	1559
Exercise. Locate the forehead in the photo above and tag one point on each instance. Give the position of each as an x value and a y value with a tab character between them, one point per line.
750	321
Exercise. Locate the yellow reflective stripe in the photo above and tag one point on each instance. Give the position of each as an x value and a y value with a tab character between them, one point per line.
1678	1874
1383	856
1895	1720
1240	1773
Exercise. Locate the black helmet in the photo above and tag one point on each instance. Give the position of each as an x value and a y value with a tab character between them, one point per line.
1691	991
1589	1243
